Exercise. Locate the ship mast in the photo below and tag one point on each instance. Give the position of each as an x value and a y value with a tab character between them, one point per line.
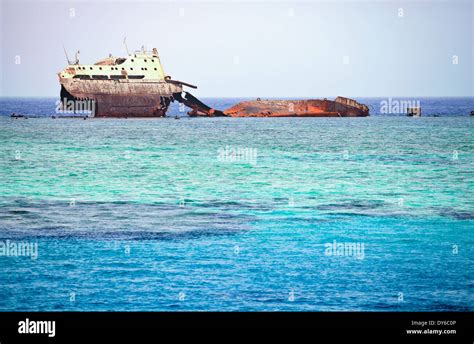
67	58
125	44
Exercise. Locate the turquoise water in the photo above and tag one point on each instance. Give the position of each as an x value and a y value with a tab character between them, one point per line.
236	214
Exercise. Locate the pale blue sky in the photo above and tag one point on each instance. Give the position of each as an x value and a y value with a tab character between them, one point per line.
240	49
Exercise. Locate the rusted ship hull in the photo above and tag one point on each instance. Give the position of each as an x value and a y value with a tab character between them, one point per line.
142	98
121	98
340	107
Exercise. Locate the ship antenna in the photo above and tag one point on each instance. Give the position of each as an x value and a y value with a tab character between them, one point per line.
77	57
67	58
125	43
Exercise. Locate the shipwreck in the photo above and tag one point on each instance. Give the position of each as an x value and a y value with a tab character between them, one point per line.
137	86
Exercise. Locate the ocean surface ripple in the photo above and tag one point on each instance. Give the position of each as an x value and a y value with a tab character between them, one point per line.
237	214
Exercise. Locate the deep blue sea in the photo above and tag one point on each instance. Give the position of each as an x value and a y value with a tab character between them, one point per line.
237	214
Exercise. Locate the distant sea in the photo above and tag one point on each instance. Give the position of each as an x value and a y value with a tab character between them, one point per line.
244	214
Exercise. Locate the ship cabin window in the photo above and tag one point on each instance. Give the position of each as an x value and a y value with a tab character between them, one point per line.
133	60
117	76
145	60
82	77
100	68
123	68
100	77
131	68
155	68
90	68
152	60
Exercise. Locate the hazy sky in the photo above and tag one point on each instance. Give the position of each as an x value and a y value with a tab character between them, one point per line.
252	48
